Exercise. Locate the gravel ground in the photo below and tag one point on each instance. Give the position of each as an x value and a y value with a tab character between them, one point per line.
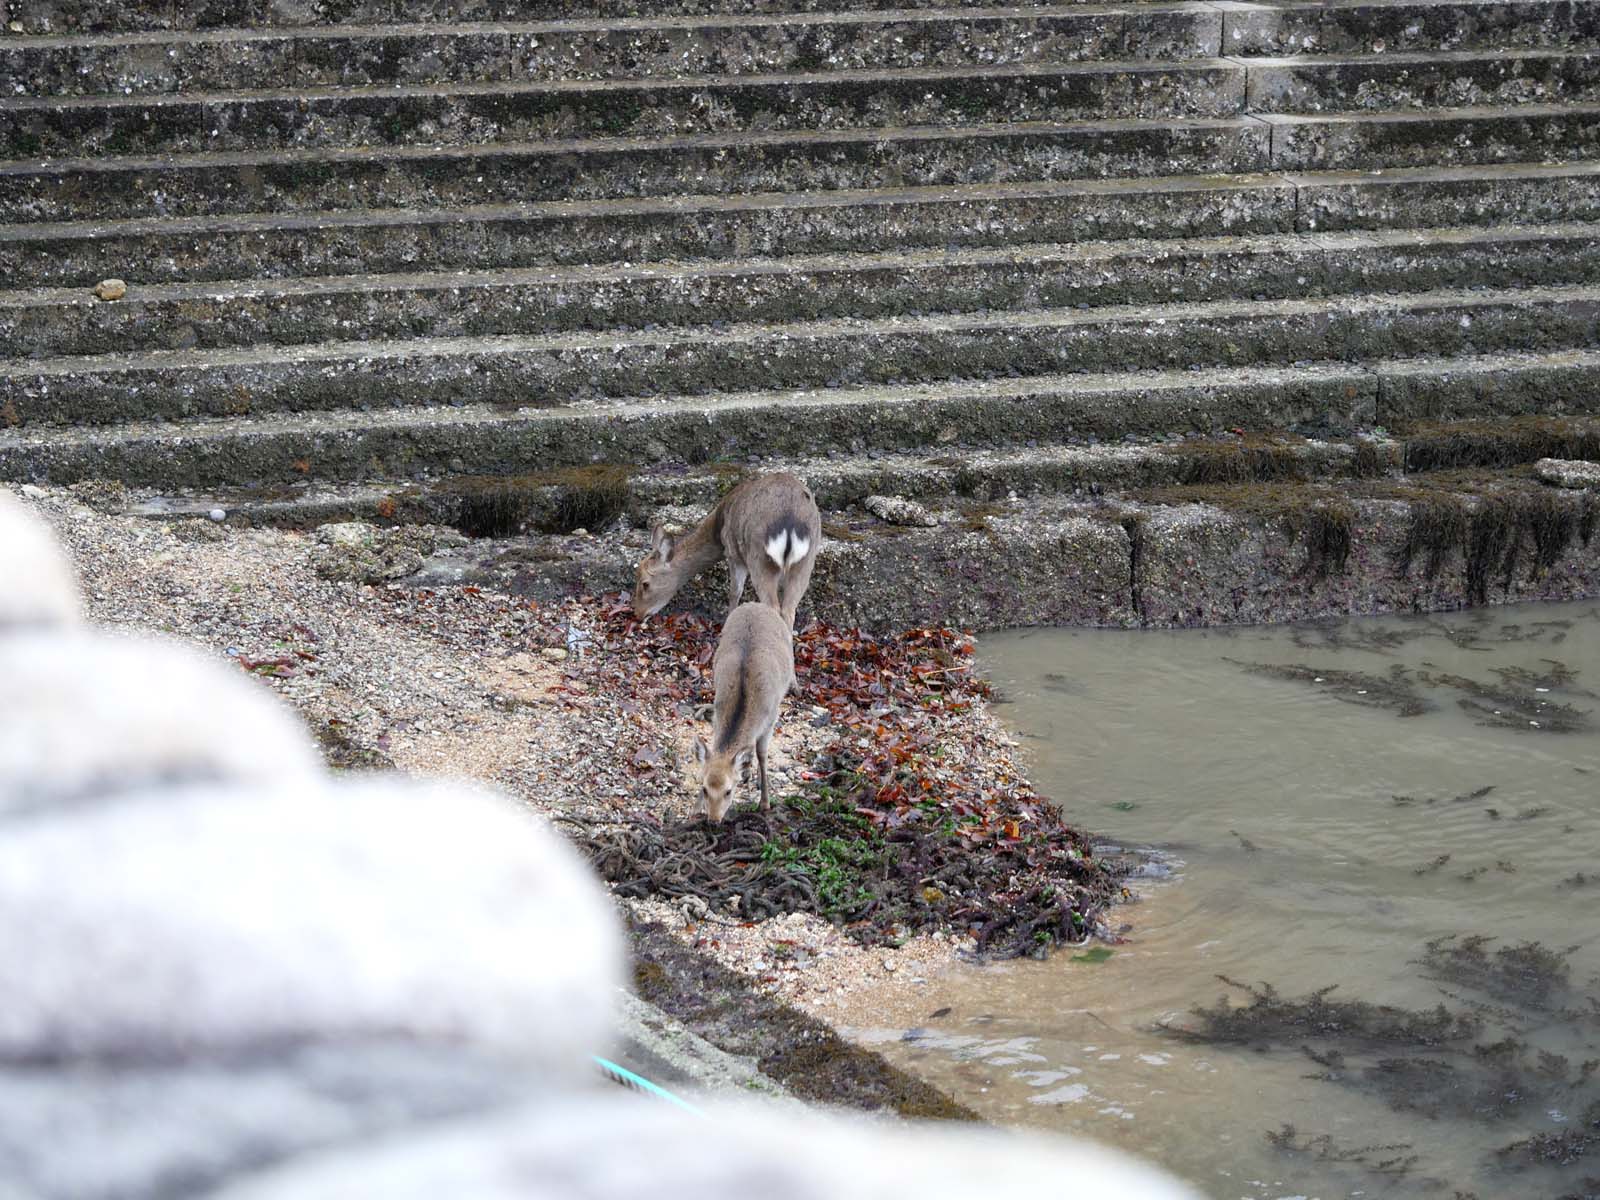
462	681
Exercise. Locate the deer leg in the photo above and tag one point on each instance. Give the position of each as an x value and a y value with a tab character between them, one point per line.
761	770
795	585
737	574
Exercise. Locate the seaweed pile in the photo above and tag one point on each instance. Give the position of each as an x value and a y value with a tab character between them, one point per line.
892	830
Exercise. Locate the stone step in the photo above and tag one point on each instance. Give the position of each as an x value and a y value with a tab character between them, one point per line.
1435	137
1397	26
43	322
952	417
667	47
1270	24
474	114
46	17
404	176
263	246
942	476
1432	79
408	176
560	369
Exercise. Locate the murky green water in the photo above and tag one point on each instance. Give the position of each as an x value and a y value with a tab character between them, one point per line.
1313	841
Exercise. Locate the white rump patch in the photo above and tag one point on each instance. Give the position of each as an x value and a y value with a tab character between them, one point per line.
787	548
777	547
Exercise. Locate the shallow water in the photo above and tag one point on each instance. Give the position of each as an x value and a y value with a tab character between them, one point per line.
1306	836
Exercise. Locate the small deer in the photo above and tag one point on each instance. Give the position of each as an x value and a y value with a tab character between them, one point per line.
767	527
752	669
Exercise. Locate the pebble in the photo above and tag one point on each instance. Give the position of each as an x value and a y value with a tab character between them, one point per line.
111	289
217	514
553	653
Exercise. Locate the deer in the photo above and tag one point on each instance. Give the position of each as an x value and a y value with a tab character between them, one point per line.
769	530
751	671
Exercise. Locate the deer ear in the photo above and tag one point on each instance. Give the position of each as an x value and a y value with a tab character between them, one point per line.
700	751
661	542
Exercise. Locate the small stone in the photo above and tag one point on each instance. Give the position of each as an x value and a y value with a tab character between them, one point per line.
15	26
890	966
33	491
553	653
217	514
897	510
1568	473
111	289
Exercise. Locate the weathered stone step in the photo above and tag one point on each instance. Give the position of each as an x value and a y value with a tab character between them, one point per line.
44	322
407	176
1450	21
419	443
45	17
942	475
474	114
1395	26
1435	137
667	47
484	236
1376	82
563	368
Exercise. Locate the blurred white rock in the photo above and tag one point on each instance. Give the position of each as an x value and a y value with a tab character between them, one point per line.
86	713
37	585
627	1147
200	923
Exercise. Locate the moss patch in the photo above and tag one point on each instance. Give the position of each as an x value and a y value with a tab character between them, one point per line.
1502	443
558	501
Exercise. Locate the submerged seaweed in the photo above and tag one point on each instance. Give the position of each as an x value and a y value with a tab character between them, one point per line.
1393	691
1269	1017
1526	974
1511	705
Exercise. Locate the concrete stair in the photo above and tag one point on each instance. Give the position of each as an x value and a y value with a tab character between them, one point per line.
933	248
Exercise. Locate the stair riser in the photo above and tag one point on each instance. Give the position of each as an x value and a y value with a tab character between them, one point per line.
196	127
478	56
1396	28
81	325
1381	86
1312	145
172	257
49	193
559	375
1443	396
802	428
1377	203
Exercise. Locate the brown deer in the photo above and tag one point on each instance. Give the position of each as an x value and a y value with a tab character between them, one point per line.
767	527
752	669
